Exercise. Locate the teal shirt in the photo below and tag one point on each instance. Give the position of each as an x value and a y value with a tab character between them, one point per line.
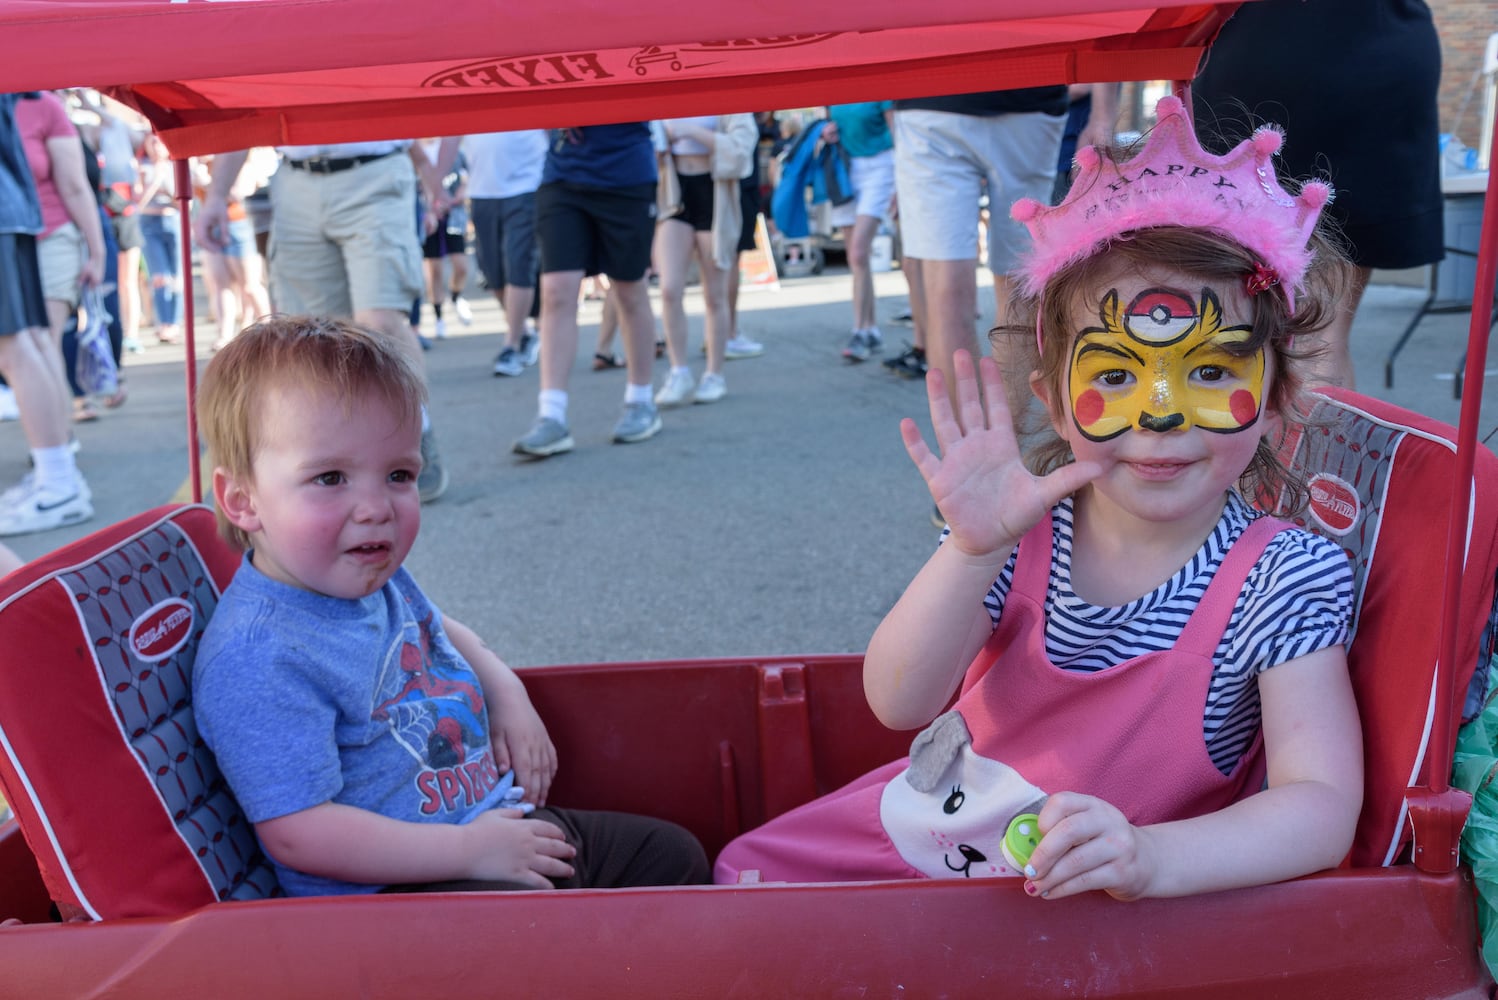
862	127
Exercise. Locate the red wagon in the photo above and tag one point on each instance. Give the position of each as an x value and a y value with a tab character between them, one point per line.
125	826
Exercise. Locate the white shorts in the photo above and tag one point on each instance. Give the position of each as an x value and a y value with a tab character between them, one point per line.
942	161
873	180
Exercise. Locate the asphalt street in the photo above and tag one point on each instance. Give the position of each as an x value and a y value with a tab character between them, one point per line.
785	519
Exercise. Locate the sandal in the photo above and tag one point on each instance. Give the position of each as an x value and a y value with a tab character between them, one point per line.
117	399
660	348
84	411
602	362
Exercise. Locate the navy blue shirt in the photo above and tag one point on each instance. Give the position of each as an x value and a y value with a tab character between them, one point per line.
601	156
20	211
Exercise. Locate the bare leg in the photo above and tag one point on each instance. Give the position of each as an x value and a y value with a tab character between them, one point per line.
951	301
733	299
256	300
715	297
638	324
129	290
608	324
859	241
915	278
559	291
517	301
226	296
396	325
458	278
673	251
435	294
40	387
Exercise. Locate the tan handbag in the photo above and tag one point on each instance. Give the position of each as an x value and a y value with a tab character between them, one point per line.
667	186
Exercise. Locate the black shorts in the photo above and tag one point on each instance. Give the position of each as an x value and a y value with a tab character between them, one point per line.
443	243
504	232
696	202
596	230
22	306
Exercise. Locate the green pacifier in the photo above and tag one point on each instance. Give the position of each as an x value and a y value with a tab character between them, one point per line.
1021	839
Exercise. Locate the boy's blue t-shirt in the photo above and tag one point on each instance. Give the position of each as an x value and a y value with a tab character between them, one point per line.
306	699
601	156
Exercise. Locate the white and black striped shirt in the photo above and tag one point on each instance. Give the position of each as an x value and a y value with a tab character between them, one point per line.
1297	600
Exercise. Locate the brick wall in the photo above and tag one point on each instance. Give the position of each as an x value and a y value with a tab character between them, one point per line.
1464	26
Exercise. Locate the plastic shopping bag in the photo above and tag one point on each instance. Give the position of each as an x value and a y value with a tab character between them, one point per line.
95	369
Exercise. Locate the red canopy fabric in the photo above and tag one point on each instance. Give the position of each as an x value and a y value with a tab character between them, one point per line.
216	76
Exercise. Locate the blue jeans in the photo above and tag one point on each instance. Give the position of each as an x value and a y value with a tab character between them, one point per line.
163	235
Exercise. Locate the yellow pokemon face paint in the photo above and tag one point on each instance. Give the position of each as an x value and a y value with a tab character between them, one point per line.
1163	363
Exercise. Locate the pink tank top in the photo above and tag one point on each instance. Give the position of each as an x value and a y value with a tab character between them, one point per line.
1023	728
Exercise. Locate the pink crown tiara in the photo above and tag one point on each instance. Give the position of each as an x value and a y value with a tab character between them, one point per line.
1174	182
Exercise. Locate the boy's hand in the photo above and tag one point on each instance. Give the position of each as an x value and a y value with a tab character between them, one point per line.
980	482
521	742
509	848
1087	844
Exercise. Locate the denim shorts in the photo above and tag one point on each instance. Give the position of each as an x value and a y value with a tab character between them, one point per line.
22	305
504	232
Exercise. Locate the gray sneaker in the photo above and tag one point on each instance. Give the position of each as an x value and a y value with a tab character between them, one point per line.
639	422
530	348
432	482
509	363
862	344
546	437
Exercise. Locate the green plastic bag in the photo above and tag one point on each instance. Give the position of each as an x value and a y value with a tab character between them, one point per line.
1474	769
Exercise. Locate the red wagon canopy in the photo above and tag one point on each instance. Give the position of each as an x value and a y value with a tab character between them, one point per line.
216	76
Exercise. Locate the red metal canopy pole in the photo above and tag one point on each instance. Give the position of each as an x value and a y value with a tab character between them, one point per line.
184	208
1440	812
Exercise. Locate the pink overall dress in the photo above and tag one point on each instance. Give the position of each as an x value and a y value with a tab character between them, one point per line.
1020	729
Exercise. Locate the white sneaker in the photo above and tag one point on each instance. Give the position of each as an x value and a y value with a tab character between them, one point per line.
8	408
464	311
441	329
676	391
38	509
742	347
711	389
28	484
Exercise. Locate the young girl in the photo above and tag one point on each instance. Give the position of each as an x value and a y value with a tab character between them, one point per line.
1151	693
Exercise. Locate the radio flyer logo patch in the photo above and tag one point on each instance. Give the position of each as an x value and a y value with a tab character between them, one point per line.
161	630
1334	503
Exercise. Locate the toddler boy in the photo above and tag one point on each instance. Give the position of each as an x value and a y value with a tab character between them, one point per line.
374	743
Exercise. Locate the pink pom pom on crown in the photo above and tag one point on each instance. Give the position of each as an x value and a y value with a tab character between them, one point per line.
1172	181
1267	140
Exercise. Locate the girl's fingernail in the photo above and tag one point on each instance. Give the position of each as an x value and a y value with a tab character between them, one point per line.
1030	871
1030	888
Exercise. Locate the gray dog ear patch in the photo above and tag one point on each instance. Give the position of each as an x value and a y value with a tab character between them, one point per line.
934	749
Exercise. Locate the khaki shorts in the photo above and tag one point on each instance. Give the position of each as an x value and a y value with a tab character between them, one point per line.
61	255
344	242
941	162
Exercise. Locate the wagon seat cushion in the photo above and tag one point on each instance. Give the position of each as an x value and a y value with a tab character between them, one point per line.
1380	479
116	794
